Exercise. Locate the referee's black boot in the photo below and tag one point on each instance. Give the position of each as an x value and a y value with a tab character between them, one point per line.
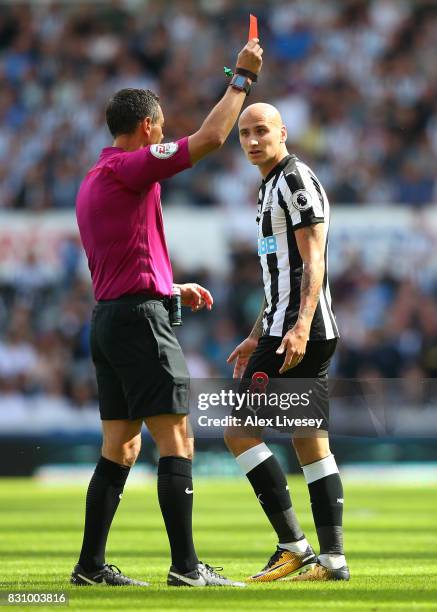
109	575
202	576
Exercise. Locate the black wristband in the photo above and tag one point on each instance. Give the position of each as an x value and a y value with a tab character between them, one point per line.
247	73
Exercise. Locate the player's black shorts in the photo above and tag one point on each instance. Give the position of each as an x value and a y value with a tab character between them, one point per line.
140	367
304	387
315	363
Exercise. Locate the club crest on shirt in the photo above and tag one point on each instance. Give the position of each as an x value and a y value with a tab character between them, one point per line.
301	200
164	150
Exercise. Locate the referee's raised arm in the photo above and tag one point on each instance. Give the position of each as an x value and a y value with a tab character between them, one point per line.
220	121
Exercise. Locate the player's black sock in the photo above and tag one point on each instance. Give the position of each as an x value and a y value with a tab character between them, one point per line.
175	494
270	485
326	494
103	496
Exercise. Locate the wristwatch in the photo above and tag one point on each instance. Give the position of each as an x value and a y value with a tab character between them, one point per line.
240	82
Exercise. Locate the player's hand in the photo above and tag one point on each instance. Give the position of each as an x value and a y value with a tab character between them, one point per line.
195	297
294	345
242	355
250	56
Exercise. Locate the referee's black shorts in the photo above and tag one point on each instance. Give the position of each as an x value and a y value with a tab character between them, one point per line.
309	376
141	371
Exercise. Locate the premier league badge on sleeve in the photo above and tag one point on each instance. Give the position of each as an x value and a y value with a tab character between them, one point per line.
301	200
164	150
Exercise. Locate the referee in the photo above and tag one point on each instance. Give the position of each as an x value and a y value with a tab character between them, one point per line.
141	372
294	337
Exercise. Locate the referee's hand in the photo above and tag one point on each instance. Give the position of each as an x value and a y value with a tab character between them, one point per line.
195	297
250	56
242	355
294	345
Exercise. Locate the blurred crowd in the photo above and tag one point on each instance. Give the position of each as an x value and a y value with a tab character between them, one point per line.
354	80
355	83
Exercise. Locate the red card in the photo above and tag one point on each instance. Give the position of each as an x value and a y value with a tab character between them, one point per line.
253	27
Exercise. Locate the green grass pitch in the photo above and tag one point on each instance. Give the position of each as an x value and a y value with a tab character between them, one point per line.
391	544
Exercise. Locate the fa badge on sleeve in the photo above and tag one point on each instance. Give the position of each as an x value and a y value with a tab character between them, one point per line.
164	150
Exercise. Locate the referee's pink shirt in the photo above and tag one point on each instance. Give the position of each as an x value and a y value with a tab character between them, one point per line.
119	215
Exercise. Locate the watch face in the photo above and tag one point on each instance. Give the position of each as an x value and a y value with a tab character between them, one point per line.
240	80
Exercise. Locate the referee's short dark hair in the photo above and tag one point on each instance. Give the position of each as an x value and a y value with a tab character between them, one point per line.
128	107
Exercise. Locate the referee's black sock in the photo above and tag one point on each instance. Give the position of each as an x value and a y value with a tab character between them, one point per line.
270	485
326	494
175	494
103	496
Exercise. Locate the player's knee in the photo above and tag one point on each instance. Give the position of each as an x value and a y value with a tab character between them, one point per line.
311	449
229	440
237	443
299	443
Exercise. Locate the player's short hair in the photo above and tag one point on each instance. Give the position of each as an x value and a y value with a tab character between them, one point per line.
128	107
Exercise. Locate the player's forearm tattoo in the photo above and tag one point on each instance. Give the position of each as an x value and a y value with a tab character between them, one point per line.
309	291
257	329
311	283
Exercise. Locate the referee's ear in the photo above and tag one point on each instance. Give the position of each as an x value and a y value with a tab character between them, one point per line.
283	134
146	126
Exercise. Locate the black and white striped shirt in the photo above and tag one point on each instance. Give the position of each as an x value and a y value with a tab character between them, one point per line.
291	197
